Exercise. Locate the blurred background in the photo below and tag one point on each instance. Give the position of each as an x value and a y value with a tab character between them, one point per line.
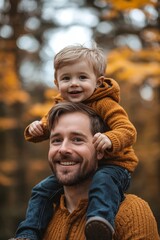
31	33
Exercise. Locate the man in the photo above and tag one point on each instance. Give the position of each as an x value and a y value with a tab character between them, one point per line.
73	160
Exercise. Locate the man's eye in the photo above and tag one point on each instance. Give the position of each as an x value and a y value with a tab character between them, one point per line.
56	141
77	140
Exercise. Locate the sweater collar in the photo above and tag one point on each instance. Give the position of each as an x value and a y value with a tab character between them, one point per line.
81	205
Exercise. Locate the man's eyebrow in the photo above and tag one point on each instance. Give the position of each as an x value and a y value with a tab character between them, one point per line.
79	134
75	133
54	135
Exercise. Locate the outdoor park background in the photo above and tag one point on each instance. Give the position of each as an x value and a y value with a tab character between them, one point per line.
31	32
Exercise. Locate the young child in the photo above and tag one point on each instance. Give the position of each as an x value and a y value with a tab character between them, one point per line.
79	77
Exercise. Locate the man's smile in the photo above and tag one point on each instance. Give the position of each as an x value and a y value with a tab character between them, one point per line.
67	163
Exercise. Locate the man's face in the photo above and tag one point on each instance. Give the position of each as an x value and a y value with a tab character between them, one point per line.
72	155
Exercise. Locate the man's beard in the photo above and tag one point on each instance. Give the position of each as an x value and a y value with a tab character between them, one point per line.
76	179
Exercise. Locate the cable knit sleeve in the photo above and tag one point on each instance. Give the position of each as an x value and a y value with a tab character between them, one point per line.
122	132
135	220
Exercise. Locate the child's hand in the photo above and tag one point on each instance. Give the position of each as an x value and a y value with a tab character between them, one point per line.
101	142
36	128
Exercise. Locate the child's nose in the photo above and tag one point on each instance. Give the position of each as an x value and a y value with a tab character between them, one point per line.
74	82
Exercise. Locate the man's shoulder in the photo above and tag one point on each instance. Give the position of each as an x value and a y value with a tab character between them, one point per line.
134	204
135	220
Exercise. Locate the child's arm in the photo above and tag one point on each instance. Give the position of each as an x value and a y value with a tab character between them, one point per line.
37	131
40	209
35	135
122	133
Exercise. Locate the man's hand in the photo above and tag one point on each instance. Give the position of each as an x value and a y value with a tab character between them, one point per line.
101	142
36	129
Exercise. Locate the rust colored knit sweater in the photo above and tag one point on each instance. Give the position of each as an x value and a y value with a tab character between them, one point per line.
105	101
134	221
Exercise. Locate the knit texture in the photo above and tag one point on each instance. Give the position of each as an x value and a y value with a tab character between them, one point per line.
134	221
122	133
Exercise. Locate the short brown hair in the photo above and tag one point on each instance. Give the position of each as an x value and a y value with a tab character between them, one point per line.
75	53
96	122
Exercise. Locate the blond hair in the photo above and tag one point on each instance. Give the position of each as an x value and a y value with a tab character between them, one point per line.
75	53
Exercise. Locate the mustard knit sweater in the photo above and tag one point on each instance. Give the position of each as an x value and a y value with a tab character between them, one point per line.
134	221
105	101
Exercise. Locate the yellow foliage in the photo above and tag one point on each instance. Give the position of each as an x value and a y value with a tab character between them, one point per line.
129	4
39	110
8	123
10	87
109	14
13	96
8	166
151	35
50	93
9	79
6	181
128	65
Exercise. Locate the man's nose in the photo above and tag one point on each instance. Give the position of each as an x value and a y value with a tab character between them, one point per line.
64	147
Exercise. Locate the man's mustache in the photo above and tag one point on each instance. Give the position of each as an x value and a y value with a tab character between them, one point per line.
66	157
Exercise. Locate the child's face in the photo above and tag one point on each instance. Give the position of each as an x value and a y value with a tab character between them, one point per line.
77	81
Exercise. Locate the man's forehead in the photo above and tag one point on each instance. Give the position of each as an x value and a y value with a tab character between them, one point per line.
55	132
75	123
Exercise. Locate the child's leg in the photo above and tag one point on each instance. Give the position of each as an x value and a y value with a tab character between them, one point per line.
40	209
105	195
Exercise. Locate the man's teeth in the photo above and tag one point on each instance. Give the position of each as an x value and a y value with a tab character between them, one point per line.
67	163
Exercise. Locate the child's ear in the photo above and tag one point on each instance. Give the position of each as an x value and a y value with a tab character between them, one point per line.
100	80
56	82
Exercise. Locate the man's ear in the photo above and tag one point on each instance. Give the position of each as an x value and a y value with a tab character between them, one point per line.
56	82
100	155
100	80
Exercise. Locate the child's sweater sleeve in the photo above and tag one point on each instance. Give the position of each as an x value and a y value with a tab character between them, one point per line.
41	138
44	120
122	133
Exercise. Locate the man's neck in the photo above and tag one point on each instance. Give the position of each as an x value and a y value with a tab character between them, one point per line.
74	194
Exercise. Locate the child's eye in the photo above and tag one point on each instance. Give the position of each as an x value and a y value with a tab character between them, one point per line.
82	77
65	78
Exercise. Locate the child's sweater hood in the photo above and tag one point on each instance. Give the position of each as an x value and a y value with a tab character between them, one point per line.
109	88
